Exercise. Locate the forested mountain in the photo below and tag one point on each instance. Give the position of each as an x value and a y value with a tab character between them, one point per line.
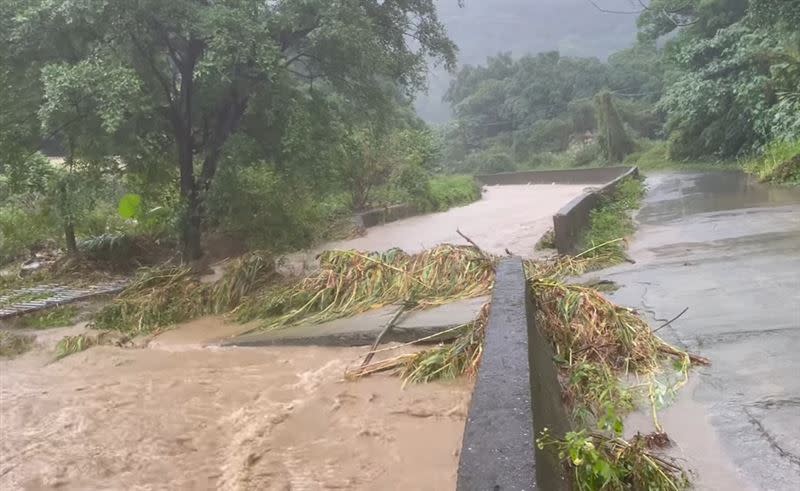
483	28
713	78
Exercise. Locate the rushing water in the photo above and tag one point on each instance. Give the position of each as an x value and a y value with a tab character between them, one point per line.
185	417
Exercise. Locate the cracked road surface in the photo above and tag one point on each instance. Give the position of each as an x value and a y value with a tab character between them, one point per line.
728	248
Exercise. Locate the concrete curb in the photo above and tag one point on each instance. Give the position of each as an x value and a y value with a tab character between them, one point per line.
516	395
573	218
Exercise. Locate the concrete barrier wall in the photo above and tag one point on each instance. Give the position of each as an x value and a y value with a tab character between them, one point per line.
573	218
516	395
590	175
379	216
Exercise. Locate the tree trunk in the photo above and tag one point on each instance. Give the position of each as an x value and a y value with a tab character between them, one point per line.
191	235
69	237
192	231
69	225
182	121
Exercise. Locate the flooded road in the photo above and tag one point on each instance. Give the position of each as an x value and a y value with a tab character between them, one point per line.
180	416
510	218
728	248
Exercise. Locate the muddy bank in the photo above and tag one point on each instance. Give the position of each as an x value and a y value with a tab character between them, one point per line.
233	418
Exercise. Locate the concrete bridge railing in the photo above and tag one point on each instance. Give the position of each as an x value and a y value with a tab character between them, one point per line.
516	395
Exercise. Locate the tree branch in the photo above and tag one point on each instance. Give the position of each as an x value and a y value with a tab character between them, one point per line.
168	91
607	11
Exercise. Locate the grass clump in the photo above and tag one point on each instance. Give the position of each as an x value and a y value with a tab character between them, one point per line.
444	361
449	191
611	222
351	282
609	360
654	156
161	297
58	317
600	461
13	344
70	345
780	163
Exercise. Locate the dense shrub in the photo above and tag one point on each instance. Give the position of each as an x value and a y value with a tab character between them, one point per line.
256	204
449	191
24	226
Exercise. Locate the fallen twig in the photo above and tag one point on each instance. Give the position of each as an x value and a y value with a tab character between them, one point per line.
472	242
662	326
383	334
695	359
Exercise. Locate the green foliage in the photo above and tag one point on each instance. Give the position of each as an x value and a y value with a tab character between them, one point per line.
130	206
732	78
25	226
541	104
610	223
717	78
602	398
251	203
654	155
108	247
449	191
58	317
780	163
489	161
69	345
611	463
192	77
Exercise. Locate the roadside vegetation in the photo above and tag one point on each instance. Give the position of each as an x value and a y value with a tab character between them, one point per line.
779	163
611	223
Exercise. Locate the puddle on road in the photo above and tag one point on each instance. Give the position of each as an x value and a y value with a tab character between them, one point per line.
232	418
676	195
695	444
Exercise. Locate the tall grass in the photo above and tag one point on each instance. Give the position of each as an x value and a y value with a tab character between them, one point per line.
611	223
654	155
780	163
449	191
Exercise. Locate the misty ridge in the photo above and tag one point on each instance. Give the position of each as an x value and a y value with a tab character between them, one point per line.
483	28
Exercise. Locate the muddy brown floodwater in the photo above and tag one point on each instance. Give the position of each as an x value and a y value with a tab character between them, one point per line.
511	218
168	417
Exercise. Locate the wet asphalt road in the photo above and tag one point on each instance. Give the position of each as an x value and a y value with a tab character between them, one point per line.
728	248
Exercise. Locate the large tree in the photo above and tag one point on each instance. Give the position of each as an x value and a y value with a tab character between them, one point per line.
203	70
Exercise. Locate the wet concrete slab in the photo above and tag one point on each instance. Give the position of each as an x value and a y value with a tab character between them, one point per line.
728	248
363	329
